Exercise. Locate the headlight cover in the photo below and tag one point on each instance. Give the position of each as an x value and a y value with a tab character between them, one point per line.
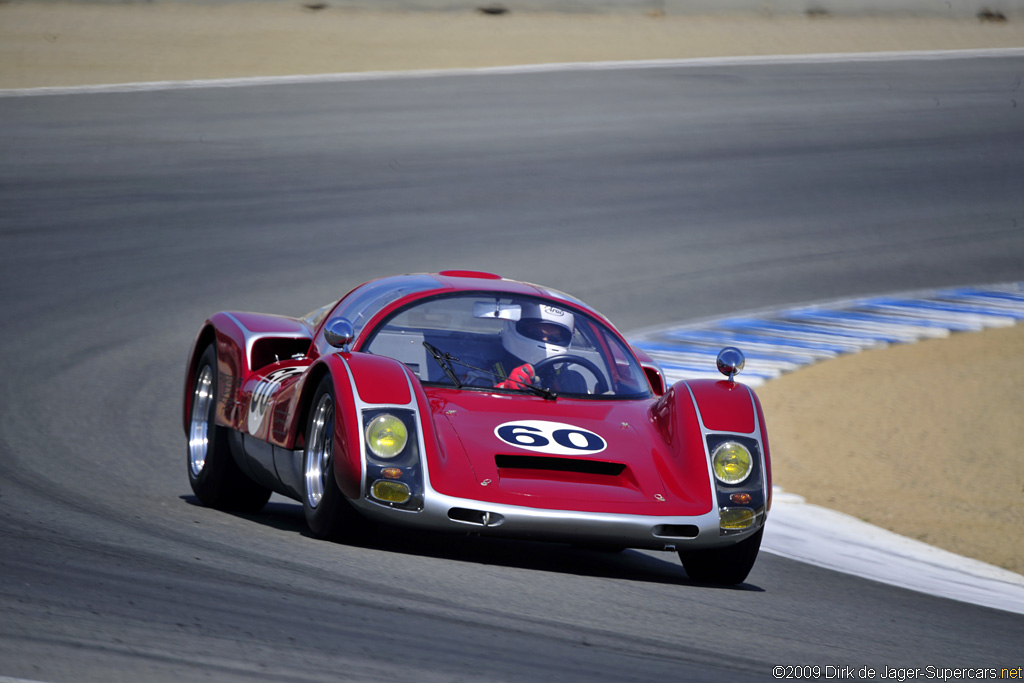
392	469
731	462
386	436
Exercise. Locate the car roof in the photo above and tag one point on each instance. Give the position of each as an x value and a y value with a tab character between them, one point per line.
477	281
376	299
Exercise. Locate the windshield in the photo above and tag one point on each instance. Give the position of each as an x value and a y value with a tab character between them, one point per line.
505	342
366	301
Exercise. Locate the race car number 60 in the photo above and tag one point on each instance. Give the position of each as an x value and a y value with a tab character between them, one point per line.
555	438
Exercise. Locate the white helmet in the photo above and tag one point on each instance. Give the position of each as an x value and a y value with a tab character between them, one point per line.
541	332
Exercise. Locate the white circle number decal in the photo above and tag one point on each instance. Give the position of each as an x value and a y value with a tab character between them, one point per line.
550	437
259	401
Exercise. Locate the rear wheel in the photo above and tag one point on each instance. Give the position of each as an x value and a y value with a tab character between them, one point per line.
214	475
328	514
722	565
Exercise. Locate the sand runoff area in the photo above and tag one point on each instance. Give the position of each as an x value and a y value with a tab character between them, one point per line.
922	439
43	44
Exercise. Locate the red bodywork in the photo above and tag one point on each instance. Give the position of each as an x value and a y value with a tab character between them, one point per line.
269	366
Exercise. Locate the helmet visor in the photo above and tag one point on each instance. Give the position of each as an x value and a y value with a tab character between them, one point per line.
544	331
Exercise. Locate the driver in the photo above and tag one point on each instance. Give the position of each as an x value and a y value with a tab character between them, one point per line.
541	332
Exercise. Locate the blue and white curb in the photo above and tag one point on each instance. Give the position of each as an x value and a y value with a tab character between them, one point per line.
782	340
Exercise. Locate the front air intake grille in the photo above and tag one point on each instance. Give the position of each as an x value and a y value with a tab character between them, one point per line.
676	531
541	462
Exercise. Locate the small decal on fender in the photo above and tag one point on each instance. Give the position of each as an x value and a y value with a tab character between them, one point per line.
554	438
264	391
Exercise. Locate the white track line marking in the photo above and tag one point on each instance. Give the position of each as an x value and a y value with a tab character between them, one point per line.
697	62
840	542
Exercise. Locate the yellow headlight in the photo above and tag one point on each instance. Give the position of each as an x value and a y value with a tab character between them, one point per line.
386	436
390	491
735	518
732	462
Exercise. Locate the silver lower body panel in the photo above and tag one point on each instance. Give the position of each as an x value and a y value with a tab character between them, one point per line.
447	513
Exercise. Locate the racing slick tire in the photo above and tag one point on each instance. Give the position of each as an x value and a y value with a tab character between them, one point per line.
328	513
727	566
214	475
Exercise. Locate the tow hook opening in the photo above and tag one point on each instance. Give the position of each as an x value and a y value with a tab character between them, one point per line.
475	517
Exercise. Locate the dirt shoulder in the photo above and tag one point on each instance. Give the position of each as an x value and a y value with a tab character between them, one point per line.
76	44
921	439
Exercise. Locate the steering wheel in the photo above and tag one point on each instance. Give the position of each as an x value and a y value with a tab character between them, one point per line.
592	367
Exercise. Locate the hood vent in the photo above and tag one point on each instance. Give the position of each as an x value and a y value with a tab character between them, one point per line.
548	463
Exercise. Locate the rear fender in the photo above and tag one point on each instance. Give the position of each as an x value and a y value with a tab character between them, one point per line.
229	342
245	342
257	339
204	338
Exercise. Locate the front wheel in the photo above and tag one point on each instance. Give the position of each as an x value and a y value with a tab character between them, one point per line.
328	514
214	475
727	566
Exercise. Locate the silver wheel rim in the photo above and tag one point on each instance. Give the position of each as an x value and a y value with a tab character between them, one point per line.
199	428
318	450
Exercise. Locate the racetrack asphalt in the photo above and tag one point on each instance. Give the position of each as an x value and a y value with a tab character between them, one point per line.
654	195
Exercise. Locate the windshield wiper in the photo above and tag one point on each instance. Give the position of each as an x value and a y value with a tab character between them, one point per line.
445	359
543	392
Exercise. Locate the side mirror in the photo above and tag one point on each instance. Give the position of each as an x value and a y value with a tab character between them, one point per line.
730	361
338	332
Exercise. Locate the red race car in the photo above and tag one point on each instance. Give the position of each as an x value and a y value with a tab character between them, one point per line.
465	402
